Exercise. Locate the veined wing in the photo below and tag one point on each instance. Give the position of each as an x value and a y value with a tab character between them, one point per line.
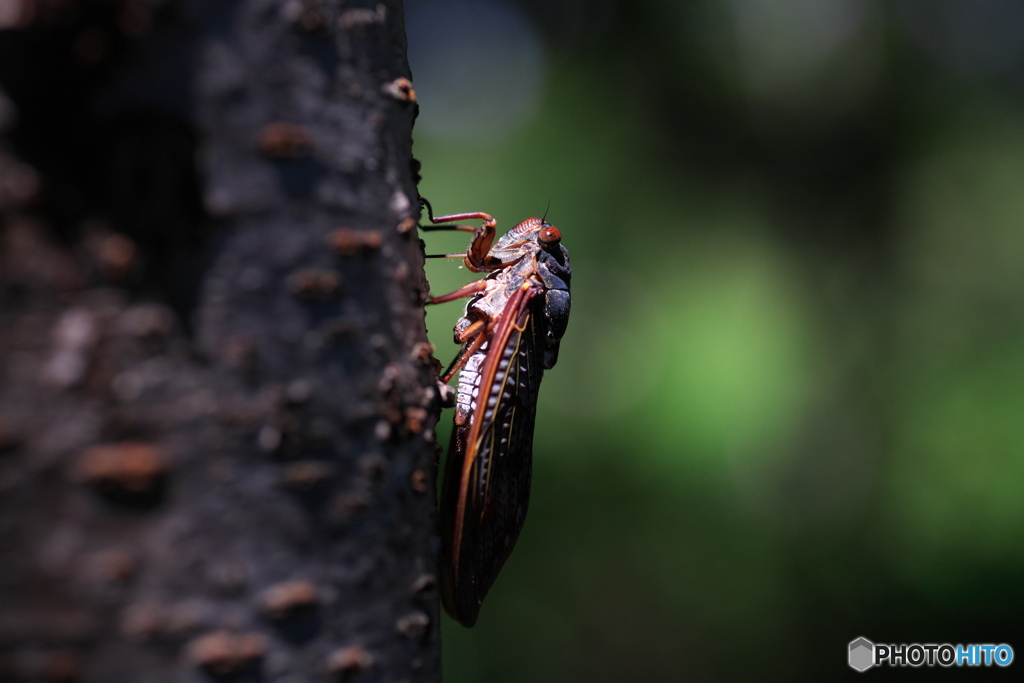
490	458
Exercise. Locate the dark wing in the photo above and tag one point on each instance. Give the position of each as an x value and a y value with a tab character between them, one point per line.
486	486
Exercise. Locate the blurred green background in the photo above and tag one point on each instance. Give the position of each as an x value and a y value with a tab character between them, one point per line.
789	408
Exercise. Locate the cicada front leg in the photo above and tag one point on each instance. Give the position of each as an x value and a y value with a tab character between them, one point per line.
477	256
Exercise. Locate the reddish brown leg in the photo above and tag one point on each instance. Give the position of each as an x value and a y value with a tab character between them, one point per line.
468	289
474	332
471	331
477	258
464	228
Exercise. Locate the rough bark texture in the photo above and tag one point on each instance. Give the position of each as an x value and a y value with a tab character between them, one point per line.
217	400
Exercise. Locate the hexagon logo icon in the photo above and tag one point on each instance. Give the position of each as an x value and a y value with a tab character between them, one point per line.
862	654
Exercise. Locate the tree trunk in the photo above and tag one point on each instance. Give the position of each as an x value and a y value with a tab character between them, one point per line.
217	401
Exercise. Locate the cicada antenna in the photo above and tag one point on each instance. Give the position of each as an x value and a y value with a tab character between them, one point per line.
546	209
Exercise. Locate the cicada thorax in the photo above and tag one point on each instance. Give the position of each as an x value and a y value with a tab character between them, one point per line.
510	334
553	271
514	243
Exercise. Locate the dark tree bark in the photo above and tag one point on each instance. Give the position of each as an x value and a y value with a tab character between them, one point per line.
217	400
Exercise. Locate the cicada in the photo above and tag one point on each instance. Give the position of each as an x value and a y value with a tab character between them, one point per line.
510	334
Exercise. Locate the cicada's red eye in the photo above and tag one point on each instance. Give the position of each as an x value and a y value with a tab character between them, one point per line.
549	236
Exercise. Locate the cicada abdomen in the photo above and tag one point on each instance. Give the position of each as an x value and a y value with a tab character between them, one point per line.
510	334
